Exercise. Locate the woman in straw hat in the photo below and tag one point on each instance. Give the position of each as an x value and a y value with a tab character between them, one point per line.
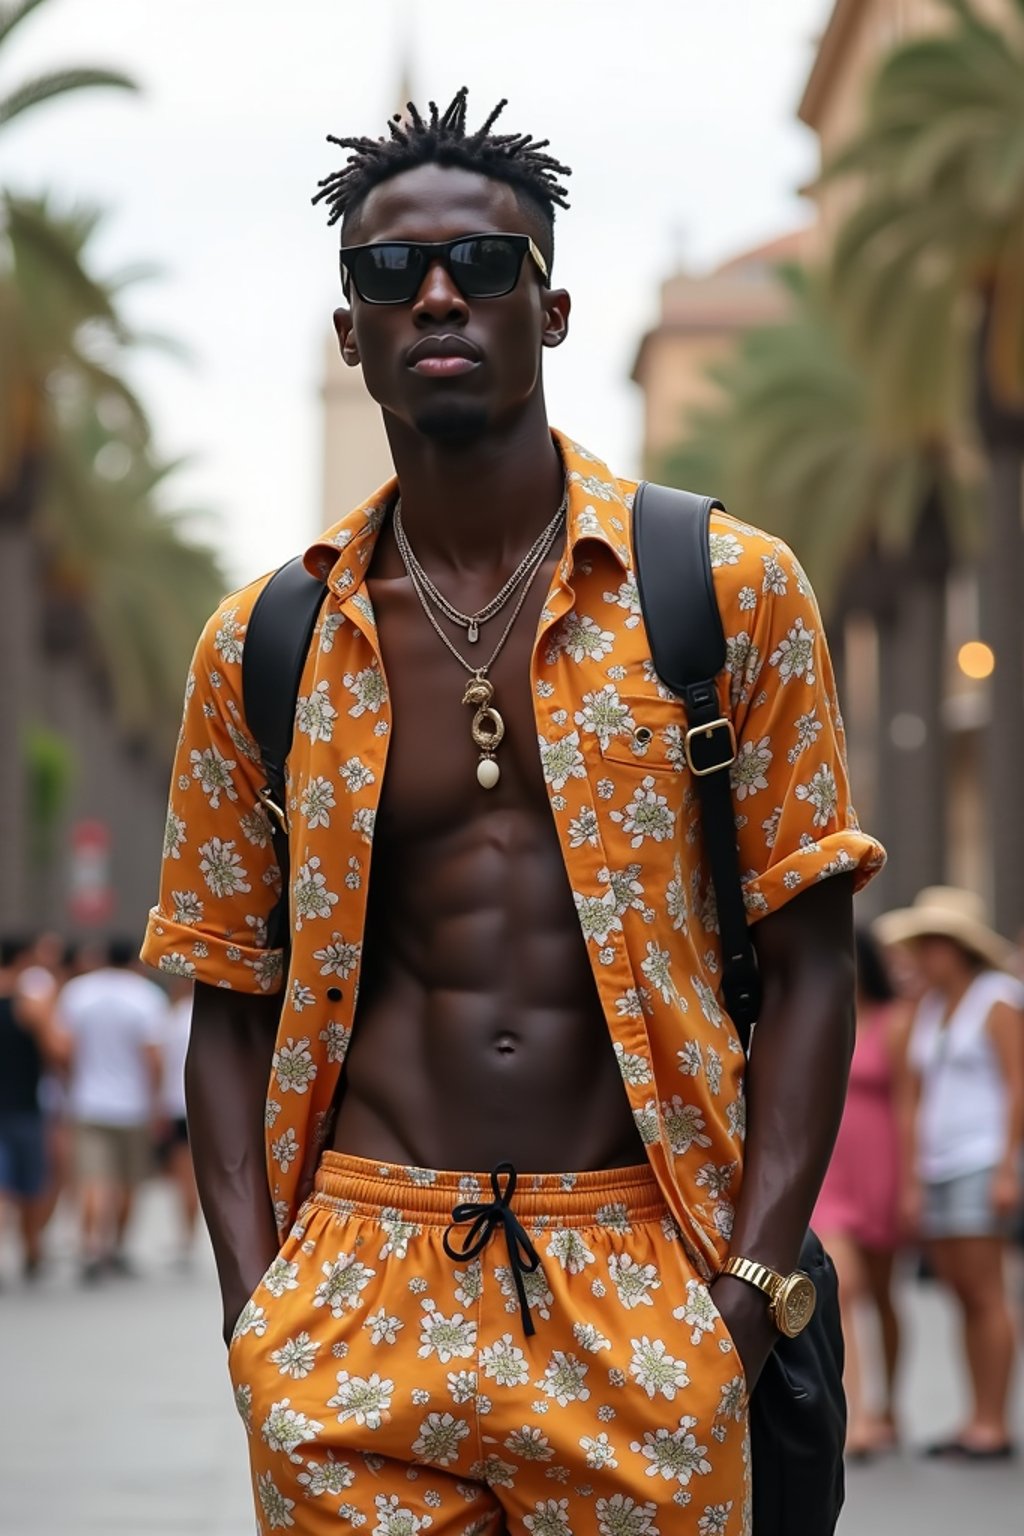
965	1127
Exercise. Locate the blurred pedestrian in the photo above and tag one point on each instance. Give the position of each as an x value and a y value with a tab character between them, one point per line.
966	1122
173	1152
115	1020
858	1211
28	1042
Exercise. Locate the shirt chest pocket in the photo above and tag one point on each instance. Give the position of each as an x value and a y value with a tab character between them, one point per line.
649	735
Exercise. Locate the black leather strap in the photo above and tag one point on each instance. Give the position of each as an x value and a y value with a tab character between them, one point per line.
277	640
684	631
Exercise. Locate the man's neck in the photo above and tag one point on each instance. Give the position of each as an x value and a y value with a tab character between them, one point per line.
480	504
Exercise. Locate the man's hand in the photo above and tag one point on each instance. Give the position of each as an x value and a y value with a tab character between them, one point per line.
1006	1189
745	1313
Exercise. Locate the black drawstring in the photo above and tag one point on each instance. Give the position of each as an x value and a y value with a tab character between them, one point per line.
522	1255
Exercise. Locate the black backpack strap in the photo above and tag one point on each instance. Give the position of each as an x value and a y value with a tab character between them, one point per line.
684	630
277	639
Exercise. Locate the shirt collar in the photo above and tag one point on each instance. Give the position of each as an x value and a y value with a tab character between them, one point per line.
598	511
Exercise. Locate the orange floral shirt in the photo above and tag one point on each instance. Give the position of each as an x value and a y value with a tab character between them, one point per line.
610	744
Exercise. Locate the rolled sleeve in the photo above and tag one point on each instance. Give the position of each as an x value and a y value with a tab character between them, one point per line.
219	878
794	815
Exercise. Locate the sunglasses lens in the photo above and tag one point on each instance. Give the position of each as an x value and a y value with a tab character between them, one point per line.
388	274
486	267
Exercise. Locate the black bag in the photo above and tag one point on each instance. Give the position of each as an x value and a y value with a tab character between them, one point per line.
798	1408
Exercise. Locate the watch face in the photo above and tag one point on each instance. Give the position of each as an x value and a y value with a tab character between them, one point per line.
797	1304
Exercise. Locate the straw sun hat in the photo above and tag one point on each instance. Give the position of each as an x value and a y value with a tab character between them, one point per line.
945	912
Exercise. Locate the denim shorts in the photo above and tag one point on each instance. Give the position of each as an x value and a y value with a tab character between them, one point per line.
23	1169
961	1207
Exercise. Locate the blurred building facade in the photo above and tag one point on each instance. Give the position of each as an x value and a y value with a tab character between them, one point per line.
921	795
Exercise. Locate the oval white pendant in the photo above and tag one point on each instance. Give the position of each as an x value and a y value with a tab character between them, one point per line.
488	773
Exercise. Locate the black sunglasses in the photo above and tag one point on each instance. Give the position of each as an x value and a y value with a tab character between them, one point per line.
480	266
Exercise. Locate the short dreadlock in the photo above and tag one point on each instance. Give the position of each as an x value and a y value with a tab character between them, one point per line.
441	138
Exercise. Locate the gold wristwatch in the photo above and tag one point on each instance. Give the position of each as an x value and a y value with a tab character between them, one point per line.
791	1298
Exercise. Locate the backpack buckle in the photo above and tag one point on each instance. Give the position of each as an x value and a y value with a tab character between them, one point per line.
270	804
710	747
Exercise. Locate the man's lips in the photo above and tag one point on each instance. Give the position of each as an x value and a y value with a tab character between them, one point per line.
443	357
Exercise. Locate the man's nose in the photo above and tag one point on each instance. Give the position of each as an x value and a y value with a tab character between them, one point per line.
439	299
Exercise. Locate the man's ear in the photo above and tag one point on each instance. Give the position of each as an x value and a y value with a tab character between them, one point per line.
557	305
346	337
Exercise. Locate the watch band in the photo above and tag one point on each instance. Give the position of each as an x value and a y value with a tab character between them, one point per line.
766	1280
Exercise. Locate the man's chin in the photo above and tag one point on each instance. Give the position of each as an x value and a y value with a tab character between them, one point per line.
452	423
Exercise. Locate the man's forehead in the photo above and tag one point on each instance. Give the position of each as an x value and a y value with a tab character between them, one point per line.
437	202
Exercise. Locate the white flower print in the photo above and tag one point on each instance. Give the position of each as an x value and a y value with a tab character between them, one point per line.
222	868
251	1319
561	760
529	1444
312	898
598	1451
177	965
724	548
504	1362
647	815
715	1178
276	1508
675	899
657	970
255	827
363	822
439	1438
317	801
808	728
285	1428
713	1070
674	1454
655	1370
315	714
294	1065
343	1285
538	1297
366	1399
690	1063
622	1516
775	579
707	999
188	909
583	828
794	656
736	1118
748	773
647	1124
698	1311
336	1039
579	637
567	1246
356	775
733	1399
590	1338
281	1276
227	640
243	1405
382	1328
633	1281
550	1518
331	1477
214	775
174	835
329	627
822	792
598	916
564	1379
302	996
397	1233
296	1357
627	597
338	958
285	1149
684	1125
462	1386
369	690
449	1338
605	715
636	1070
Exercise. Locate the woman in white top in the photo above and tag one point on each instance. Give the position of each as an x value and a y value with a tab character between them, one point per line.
965	1128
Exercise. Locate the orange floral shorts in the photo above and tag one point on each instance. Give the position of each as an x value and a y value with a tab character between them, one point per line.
550	1364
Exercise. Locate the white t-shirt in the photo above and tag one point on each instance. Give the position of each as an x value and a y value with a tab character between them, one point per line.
962	1120
111	1015
174	1045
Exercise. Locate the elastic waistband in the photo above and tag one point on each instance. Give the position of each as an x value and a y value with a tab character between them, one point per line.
355	1184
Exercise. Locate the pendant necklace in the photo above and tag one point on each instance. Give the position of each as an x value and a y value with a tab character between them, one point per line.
488	728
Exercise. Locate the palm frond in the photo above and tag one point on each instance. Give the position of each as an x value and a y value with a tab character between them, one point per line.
32	93
11	16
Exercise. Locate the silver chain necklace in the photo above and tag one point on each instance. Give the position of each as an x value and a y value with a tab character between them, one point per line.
471	622
488	728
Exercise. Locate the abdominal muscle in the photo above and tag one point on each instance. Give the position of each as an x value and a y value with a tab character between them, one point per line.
479	1037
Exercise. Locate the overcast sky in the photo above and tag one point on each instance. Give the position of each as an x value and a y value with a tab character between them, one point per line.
677	116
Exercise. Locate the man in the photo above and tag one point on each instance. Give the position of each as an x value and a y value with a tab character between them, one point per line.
513	1003
114	1020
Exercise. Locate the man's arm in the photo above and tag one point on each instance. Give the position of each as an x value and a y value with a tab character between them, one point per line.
795	1088
226	1074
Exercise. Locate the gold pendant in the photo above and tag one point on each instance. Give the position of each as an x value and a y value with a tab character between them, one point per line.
487	729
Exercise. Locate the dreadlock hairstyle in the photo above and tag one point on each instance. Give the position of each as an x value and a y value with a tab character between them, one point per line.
441	138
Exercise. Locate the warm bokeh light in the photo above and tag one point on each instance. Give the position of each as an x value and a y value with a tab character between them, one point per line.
976	659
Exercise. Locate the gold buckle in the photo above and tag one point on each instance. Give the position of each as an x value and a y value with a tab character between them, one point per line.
707	732
273	807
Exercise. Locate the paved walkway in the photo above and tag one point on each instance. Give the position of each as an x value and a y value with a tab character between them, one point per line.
116	1418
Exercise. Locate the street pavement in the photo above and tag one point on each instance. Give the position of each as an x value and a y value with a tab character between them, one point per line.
116	1417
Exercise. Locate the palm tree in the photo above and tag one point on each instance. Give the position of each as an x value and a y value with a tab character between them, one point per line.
798	442
33	92
929	276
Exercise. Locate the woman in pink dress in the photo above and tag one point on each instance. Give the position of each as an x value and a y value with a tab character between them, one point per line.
857	1214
